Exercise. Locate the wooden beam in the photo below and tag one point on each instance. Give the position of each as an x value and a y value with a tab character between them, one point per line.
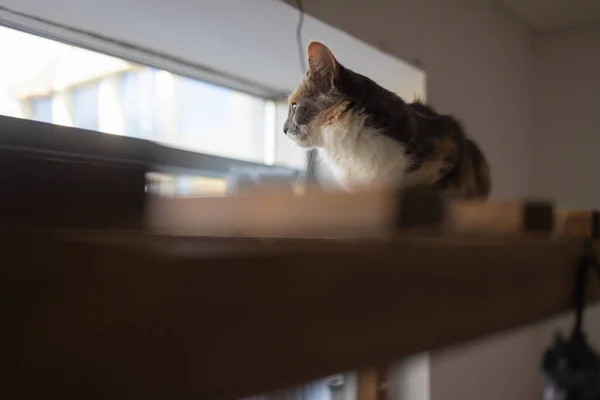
374	214
150	317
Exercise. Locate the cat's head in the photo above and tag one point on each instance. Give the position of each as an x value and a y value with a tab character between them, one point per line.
319	99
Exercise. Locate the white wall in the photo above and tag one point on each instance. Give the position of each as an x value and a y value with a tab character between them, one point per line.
567	134
567	116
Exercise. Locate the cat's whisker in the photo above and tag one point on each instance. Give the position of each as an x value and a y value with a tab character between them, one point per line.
309	138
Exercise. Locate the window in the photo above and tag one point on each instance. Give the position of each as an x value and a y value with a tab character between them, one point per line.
41	109
139	102
48	81
220	121
84	103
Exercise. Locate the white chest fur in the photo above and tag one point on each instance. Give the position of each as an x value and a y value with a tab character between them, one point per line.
360	157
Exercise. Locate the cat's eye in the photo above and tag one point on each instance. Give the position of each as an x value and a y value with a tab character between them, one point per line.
294	105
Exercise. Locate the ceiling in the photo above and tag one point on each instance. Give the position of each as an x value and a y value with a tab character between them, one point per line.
545	15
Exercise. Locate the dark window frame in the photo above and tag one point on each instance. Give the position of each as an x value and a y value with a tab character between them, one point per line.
49	139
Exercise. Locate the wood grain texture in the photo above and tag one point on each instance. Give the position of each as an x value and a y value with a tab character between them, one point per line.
142	317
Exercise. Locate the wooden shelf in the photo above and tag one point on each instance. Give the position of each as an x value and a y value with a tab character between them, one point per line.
140	316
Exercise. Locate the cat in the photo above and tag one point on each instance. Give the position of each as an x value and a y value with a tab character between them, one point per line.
371	138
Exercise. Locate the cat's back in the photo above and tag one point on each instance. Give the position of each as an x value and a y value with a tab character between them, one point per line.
471	177
467	173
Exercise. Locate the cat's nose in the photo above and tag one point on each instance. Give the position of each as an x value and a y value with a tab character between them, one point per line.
285	130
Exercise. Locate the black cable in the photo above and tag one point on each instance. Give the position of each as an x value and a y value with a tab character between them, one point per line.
579	293
571	366
588	260
299	27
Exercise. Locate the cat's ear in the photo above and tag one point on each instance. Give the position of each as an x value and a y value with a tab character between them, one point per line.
322	65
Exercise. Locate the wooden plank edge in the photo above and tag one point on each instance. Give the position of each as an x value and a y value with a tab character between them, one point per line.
362	298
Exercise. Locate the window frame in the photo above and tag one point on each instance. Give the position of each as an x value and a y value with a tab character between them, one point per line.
104	45
190	161
81	88
45	138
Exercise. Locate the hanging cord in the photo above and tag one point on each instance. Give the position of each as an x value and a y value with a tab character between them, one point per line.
299	27
571	366
588	260
311	154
